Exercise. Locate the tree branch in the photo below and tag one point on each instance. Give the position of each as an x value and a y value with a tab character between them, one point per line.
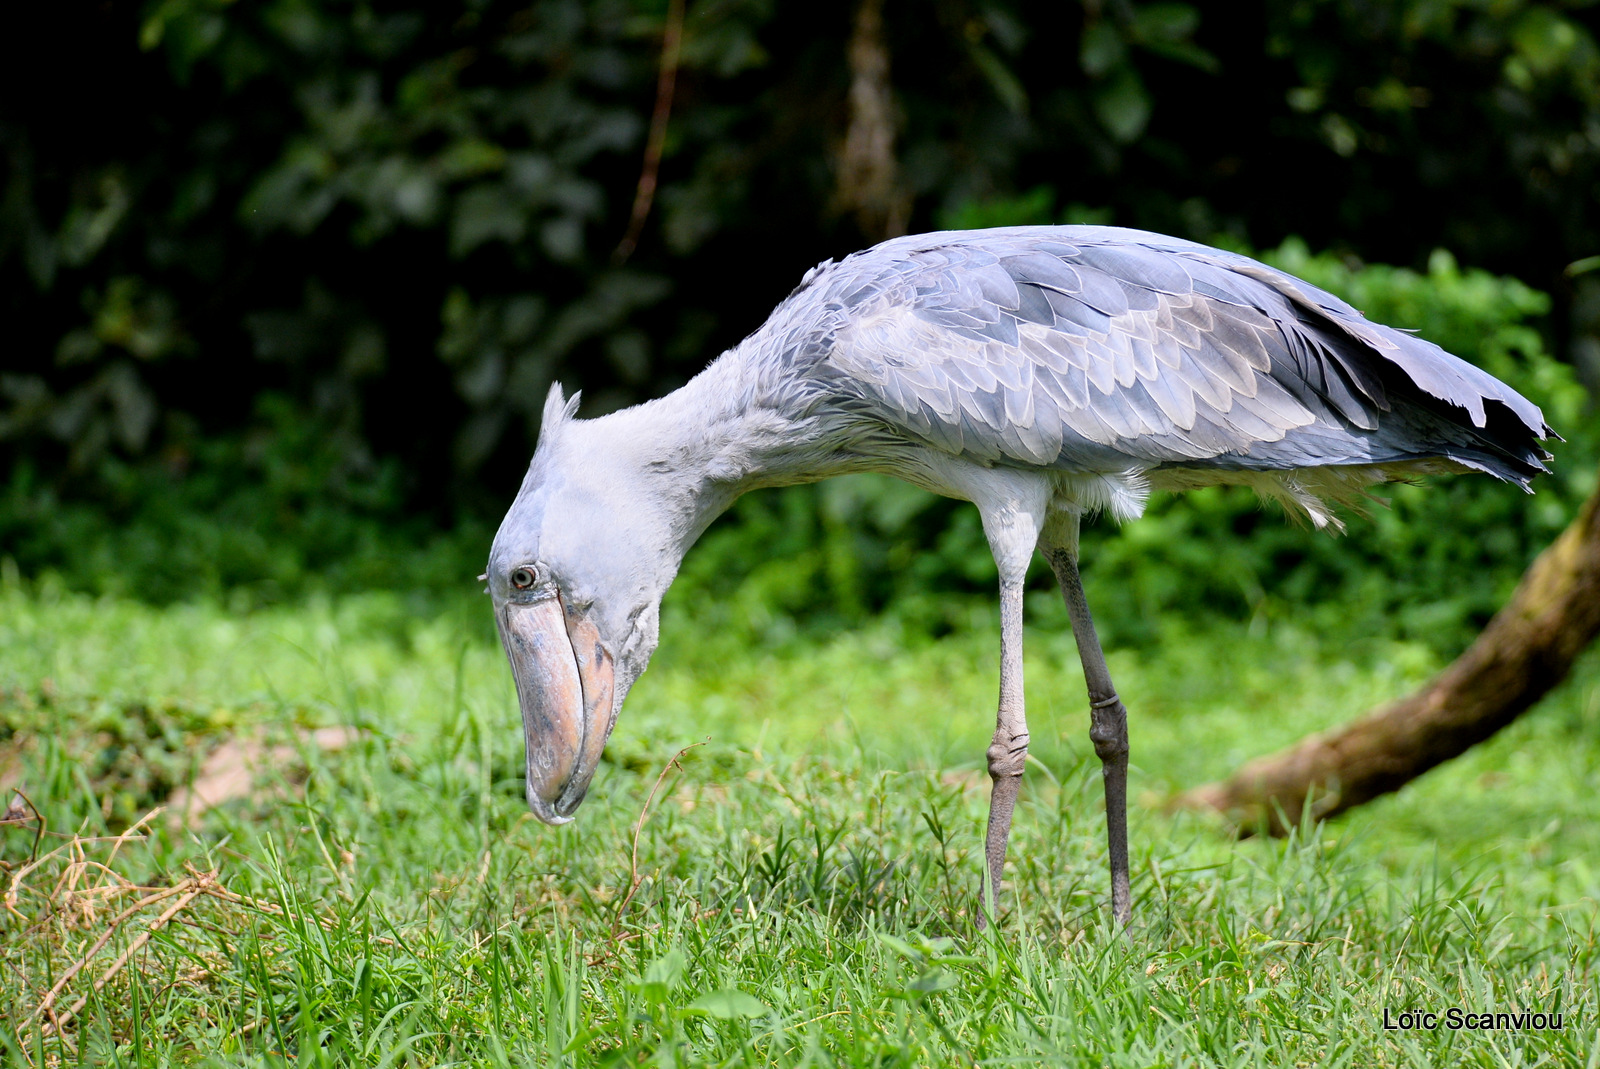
644	194
1524	652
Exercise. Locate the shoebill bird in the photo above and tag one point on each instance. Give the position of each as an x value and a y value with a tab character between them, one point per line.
1040	373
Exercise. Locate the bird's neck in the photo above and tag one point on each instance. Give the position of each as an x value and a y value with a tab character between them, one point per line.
724	433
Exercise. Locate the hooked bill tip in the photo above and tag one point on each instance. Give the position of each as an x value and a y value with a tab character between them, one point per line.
544	810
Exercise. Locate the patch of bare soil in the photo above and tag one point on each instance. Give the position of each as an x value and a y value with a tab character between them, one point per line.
249	766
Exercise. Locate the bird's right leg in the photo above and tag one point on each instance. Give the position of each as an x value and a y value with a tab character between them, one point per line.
1013	507
1108	719
1008	750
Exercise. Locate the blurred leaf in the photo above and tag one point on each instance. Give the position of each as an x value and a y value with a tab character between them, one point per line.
1544	39
728	1004
1185	52
1341	134
1122	104
1101	49
932	981
1006	87
1165	22
1304	98
662	975
470	158
87	226
484	213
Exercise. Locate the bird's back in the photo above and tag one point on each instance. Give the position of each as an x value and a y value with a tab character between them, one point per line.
1105	350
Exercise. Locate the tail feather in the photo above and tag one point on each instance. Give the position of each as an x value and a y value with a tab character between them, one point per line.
1477	420
1445	406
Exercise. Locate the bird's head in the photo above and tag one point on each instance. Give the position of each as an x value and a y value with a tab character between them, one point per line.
576	573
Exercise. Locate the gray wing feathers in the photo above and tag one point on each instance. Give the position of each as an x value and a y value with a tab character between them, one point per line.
1094	349
1432	369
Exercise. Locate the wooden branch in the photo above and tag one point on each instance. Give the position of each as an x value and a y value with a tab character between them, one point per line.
1525	651
656	141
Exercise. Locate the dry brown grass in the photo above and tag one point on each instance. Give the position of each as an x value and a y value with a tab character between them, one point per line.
74	919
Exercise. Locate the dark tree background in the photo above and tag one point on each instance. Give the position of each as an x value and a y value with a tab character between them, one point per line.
343	248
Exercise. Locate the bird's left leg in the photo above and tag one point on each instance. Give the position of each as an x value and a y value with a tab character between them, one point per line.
1108	727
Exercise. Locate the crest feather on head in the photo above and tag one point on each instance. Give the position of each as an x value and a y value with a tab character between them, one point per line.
558	410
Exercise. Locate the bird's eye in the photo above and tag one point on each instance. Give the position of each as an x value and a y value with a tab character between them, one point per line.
524	577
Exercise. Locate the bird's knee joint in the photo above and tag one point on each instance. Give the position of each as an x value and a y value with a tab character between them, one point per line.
1109	743
1008	756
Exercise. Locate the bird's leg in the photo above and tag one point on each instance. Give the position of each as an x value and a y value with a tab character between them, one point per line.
1008	751
1108	727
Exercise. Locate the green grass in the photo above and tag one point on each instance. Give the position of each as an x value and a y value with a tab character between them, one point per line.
805	881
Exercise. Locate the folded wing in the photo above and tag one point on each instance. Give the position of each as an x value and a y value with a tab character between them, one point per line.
1095	349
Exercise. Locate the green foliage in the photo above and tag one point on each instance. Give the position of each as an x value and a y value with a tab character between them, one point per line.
1035	207
256	520
403	219
805	883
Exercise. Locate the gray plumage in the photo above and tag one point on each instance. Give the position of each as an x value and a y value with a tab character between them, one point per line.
1038	372
1097	349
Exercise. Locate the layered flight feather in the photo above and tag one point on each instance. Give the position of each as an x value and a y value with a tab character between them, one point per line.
1098	350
